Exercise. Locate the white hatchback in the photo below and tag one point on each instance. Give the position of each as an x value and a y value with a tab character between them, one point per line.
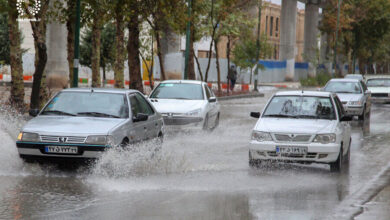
186	104
302	126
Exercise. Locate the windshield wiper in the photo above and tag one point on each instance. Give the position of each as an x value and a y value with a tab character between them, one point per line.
98	114
308	116
57	112
280	116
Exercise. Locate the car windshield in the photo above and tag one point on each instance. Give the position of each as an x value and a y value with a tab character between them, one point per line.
343	87
309	107
178	91
378	82
90	104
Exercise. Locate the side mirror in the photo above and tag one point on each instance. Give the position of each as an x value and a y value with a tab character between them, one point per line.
33	112
255	114
212	99
140	117
346	118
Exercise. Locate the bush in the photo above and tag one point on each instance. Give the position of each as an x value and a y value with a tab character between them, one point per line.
319	80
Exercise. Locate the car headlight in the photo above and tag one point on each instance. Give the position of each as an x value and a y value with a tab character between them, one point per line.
359	103
100	140
27	136
194	112
261	136
325	138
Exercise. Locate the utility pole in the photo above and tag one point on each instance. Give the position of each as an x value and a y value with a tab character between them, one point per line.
258	47
336	38
188	36
76	47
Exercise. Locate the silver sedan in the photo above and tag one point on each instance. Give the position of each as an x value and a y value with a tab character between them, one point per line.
354	95
83	123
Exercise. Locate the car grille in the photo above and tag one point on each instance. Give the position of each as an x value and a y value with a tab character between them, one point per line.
63	139
292	137
379	95
307	156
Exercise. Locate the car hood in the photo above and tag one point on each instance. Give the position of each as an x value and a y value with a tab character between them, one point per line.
297	126
346	97
177	105
379	89
71	125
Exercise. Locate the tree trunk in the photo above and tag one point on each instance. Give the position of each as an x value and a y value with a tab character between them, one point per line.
160	56
120	47
217	64
228	51
17	84
199	69
191	66
95	55
39	92
210	53
133	53
71	19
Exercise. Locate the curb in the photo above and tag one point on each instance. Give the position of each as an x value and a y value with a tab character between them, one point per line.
251	95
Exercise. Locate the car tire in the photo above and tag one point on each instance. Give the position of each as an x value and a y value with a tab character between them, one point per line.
253	163
216	123
338	164
363	115
206	123
125	143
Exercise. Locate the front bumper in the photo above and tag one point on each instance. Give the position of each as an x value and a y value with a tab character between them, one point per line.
181	120
353	110
316	152
38	150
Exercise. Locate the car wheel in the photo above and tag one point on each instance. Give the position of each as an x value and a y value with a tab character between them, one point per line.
216	123
206	123
253	162
363	115
125	143
337	165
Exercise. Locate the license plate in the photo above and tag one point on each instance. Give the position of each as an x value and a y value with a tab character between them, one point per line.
291	150
61	149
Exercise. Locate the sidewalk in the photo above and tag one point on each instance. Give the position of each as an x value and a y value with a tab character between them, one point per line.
378	207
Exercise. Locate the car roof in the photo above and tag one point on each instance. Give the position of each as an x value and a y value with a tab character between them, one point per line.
105	90
304	93
344	80
183	81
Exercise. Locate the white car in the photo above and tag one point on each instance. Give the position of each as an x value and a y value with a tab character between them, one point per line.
186	104
380	88
353	94
302	126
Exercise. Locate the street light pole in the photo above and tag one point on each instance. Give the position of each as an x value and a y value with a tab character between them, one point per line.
76	46
258	47
188	36
335	44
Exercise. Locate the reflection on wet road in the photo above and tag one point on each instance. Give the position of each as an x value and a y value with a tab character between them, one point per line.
197	176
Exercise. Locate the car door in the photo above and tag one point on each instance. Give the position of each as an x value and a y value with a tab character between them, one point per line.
344	126
140	127
153	125
211	106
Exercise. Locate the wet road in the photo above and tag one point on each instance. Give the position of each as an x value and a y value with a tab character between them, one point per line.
198	176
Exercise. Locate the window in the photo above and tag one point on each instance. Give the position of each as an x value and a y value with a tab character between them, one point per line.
277	27
189	91
271	26
140	105
207	92
343	87
339	107
266	24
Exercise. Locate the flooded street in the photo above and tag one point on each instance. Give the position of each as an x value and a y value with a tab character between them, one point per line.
197	176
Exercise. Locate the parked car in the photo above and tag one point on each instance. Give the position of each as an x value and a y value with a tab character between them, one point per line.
354	96
83	123
380	88
354	76
186	104
304	127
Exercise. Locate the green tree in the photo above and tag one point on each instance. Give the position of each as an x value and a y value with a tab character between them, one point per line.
15	52
4	40
107	49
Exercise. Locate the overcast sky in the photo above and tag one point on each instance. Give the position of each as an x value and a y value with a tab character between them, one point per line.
279	2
